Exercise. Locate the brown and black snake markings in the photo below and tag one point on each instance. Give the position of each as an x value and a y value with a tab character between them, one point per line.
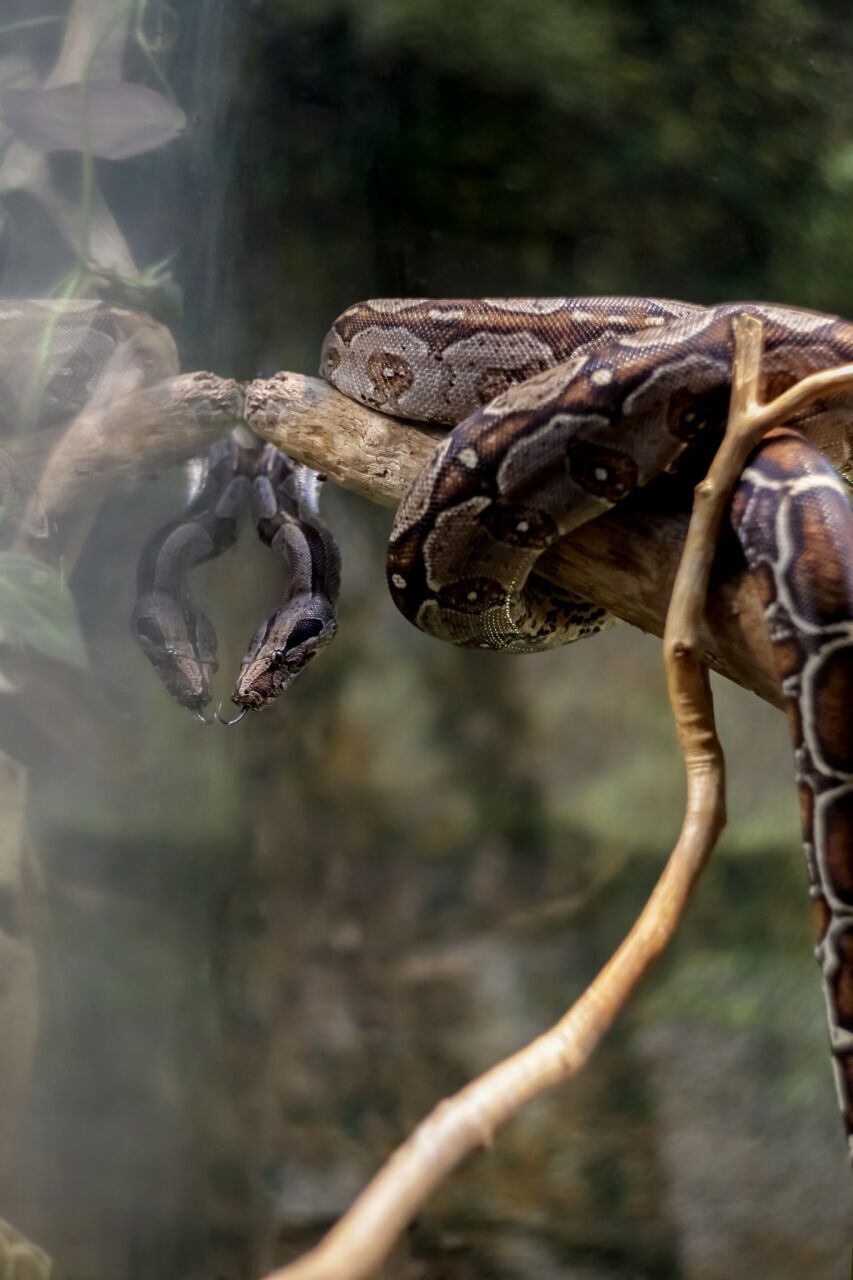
794	522
561	407
285	499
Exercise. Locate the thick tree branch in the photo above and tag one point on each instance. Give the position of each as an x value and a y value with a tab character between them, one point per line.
625	560
116	444
370	453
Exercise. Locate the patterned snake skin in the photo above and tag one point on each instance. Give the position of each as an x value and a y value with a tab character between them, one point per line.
794	523
173	633
561	408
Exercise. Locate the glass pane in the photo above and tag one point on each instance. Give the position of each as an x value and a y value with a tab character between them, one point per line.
238	966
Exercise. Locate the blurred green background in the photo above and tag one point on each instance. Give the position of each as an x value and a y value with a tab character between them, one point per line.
271	951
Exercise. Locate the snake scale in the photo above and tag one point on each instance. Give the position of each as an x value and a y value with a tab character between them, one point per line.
560	408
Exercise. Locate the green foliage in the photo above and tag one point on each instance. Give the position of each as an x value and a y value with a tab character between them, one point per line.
37	611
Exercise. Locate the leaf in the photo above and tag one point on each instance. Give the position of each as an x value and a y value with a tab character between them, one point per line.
37	611
105	118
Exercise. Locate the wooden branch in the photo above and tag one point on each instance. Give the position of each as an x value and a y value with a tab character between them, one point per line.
117	444
625	560
467	1121
371	454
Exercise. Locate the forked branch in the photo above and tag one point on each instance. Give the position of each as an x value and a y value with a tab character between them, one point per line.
359	1243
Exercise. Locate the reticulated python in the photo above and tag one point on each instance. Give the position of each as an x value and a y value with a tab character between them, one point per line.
562	407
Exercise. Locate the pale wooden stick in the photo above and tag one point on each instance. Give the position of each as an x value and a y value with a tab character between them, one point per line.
357	1245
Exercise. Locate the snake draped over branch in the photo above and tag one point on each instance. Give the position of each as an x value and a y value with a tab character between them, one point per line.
561	408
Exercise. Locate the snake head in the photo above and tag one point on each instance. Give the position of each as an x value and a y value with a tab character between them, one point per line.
283	647
180	644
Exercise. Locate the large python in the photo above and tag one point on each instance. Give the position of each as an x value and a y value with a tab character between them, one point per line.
561	407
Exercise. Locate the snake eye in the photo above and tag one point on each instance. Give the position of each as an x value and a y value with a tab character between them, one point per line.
148	629
307	629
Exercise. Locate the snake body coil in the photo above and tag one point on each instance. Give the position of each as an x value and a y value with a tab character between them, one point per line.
561	408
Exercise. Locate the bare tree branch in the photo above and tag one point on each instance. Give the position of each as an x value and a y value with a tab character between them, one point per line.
116	444
625	560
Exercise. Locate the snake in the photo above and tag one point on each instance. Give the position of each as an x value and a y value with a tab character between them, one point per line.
177	637
285	499
562	407
174	634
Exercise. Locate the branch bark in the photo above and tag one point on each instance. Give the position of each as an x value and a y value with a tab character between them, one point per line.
625	560
133	437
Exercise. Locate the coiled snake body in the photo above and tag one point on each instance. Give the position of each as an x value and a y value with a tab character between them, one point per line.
562	407
565	406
